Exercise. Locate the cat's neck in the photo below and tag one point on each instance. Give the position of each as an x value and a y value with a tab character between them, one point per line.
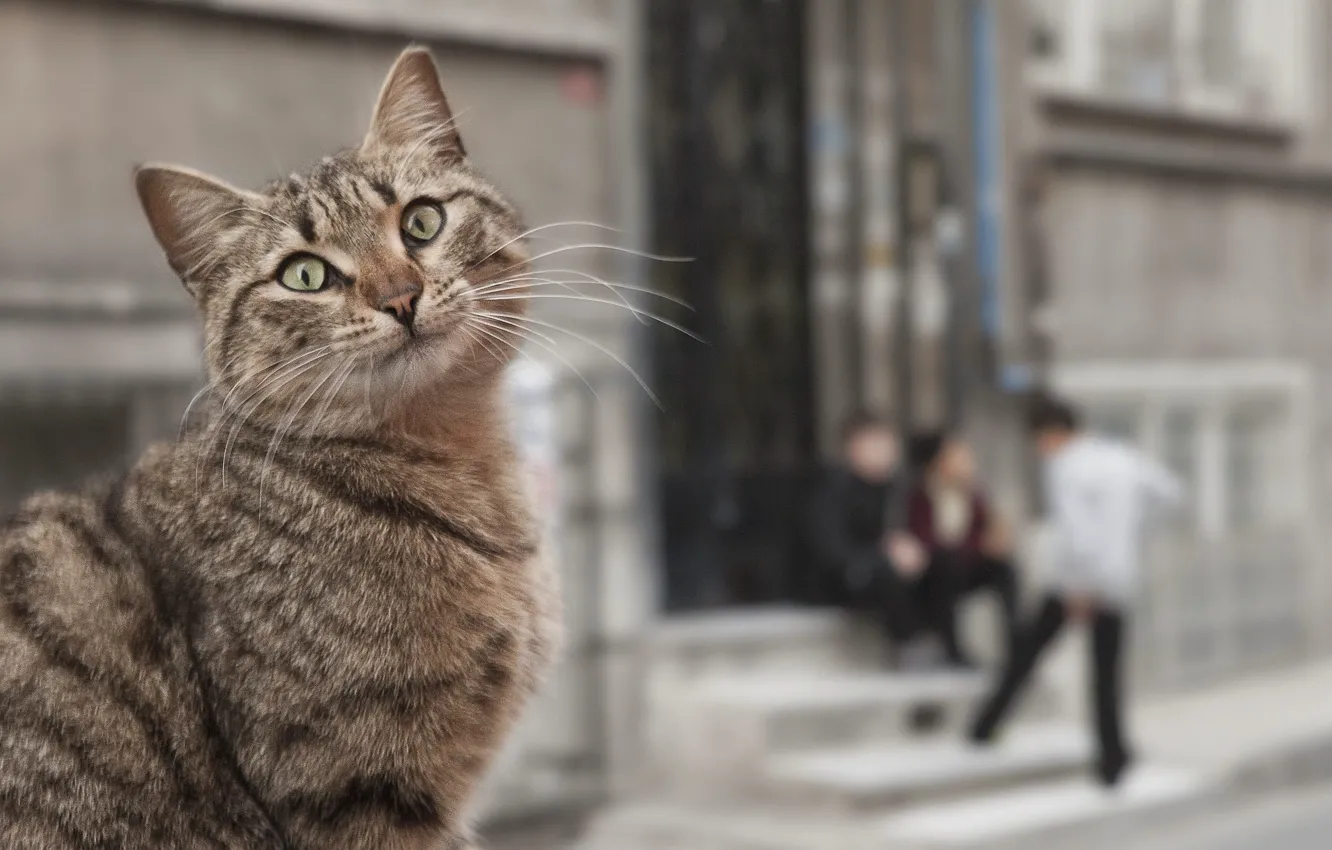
453	420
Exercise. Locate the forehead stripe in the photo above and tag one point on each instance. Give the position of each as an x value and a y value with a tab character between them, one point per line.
385	192
319	202
307	225
232	319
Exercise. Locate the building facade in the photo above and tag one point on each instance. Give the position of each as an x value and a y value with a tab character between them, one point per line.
1179	152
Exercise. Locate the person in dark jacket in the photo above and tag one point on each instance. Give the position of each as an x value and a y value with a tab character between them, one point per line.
968	549
866	560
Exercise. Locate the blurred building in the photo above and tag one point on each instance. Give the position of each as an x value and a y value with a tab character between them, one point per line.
1176	160
1124	200
920	206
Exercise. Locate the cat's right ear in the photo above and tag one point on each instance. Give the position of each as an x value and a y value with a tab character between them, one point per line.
188	212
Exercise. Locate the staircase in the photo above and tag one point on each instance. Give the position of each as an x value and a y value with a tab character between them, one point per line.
781	730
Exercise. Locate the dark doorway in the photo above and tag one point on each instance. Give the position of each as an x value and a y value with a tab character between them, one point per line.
736	439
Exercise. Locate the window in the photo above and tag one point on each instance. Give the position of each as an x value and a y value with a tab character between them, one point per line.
1231	434
1228	58
1225	587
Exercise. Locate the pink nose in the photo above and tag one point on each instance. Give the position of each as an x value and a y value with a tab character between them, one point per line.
401	304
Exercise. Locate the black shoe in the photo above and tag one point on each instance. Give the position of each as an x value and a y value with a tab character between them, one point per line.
926	718
1111	767
980	737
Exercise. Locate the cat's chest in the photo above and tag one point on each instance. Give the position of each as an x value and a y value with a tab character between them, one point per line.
370	600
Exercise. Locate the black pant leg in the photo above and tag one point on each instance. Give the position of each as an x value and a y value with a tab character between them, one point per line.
890	600
1000	576
1107	663
1031	644
938	591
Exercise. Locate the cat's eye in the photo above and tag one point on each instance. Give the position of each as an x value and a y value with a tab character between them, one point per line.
421	222
304	273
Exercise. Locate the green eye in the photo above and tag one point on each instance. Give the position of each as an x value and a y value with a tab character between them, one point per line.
422	221
304	273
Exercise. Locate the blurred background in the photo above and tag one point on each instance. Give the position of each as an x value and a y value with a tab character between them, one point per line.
922	207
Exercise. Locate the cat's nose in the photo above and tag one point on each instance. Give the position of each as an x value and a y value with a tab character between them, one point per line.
401	304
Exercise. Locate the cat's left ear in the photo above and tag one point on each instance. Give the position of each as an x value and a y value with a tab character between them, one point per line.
412	111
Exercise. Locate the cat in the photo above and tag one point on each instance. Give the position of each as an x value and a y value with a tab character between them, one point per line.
309	623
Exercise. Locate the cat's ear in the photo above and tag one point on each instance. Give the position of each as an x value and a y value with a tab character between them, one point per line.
188	212
412	111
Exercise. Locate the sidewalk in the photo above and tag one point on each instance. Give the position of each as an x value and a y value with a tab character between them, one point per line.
1267	732
1269	729
1264	732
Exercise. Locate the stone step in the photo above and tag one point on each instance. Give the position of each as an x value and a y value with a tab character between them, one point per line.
887	774
760	639
682	652
812	710
1012	818
725	728
1039	808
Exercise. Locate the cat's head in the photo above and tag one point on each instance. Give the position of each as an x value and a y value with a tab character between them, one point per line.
343	291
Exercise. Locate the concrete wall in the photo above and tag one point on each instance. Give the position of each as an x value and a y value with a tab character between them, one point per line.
89	89
1225	287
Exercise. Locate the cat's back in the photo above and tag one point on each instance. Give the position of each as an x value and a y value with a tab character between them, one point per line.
98	715
76	609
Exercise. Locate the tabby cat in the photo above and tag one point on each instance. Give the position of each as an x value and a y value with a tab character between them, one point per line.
309	623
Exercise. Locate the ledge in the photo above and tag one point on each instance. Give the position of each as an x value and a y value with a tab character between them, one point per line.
467	22
1122	114
35	351
109	301
1193	163
729	629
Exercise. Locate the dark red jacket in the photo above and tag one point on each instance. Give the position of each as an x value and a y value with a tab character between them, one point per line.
920	522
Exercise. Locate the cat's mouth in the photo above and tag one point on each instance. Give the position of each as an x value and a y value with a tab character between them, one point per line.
424	340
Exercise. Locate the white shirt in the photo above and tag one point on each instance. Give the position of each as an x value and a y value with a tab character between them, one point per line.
1101	495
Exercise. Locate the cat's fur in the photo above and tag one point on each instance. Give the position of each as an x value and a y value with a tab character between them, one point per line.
310	623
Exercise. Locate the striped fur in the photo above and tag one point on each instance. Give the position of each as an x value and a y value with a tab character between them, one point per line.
310	623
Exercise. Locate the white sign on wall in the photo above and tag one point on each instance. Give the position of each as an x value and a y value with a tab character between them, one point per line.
530	387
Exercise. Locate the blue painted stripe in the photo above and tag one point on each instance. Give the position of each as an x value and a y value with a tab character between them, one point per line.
986	147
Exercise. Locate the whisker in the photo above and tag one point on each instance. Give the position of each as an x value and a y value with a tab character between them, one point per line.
593	343
476	333
226	401
450	126
615	289
552	348
534	230
226	412
596	246
649	315
184	417
624	302
268	389
286	425
269	215
626	287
